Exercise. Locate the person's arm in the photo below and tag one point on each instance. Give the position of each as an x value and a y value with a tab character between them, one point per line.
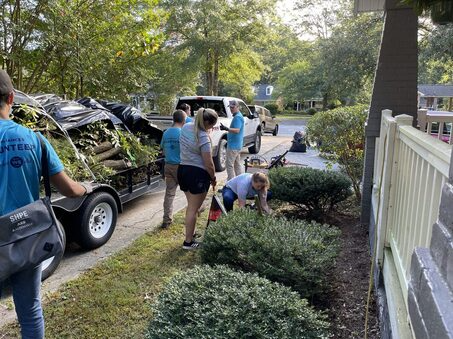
66	186
242	194
209	164
263	201
234	127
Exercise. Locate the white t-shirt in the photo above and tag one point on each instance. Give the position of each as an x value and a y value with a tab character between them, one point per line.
242	186
190	148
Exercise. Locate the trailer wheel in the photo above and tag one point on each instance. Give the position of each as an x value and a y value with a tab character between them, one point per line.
96	220
220	159
50	265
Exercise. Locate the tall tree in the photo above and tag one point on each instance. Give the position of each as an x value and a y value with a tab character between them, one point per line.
213	31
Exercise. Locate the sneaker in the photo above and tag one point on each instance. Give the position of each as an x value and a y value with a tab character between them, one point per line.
194	245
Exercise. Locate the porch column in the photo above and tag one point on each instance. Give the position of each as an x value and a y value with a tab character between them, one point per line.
395	84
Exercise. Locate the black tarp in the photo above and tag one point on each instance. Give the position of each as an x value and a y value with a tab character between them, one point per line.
298	142
129	115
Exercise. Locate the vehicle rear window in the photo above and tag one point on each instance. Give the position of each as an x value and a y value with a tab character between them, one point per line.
196	104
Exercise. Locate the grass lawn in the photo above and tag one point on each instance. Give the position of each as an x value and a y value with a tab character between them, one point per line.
293	117
113	299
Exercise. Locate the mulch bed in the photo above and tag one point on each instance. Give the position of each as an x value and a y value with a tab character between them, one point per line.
345	302
350	278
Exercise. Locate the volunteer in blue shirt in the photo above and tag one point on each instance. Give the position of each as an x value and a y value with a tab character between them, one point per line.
246	186
20	171
186	108
235	139
170	146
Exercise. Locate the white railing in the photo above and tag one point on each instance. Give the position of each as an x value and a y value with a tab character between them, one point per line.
441	119
411	168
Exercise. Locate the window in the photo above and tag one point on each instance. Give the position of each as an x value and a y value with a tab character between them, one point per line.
269	90
244	109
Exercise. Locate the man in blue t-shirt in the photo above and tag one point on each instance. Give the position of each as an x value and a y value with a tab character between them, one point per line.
170	146
20	172
235	140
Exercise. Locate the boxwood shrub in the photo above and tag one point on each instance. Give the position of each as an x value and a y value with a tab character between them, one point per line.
217	302
295	253
314	191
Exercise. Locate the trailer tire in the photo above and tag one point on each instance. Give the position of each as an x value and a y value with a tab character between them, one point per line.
255	148
96	220
49	266
220	158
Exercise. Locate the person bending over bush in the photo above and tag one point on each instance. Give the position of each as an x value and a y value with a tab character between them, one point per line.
246	186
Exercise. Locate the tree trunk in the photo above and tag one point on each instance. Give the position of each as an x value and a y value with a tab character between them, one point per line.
117	164
103	147
215	80
324	101
108	154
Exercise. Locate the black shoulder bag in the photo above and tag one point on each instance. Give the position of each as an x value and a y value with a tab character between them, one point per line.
30	234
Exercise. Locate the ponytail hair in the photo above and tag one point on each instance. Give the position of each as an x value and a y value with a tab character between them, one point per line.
262	178
205	116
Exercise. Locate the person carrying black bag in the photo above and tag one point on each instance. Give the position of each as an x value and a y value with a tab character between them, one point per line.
21	153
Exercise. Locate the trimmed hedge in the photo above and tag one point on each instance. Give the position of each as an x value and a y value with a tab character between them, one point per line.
295	253
220	303
315	191
273	108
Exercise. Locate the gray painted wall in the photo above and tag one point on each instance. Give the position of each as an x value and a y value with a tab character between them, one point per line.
395	83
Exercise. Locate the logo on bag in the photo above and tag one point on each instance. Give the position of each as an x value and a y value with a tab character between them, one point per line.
16	162
18	216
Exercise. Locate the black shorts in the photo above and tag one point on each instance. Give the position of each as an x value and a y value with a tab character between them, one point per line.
193	179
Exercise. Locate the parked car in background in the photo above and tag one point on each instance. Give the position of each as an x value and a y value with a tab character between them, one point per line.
268	122
252	128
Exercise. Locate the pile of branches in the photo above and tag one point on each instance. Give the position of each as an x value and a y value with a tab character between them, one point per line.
100	147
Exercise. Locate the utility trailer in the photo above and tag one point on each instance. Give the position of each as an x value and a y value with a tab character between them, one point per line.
91	220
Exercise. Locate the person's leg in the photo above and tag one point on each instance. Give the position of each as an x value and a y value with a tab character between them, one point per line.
228	198
26	287
194	202
238	164
230	164
171	182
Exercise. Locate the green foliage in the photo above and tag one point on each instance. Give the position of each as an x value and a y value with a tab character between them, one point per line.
312	190
311	111
436	56
341	132
295	253
340	62
78	48
273	108
220	303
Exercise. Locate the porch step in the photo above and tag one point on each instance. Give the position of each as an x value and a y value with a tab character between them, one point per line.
442	251
430	300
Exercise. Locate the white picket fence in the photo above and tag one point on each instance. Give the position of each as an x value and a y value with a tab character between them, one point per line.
410	169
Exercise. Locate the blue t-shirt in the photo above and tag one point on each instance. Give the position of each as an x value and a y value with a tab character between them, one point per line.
235	141
188	119
242	186
170	145
20	165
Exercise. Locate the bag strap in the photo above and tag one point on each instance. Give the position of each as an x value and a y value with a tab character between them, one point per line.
44	166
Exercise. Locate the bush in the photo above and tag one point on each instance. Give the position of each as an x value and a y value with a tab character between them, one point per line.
315	191
341	131
311	111
297	254
273	108
220	303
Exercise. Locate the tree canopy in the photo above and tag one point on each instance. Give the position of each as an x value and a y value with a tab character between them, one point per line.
167	48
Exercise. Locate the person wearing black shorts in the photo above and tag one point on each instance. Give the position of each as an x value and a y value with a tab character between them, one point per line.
196	172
